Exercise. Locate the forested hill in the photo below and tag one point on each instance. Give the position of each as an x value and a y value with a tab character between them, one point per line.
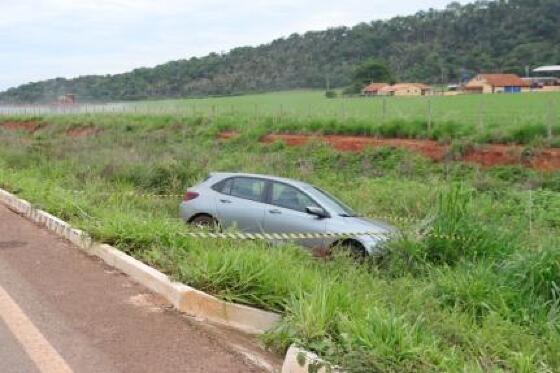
503	35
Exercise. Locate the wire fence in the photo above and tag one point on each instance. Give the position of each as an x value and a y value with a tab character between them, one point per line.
428	110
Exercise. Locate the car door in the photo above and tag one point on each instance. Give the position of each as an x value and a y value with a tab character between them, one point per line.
285	213
240	204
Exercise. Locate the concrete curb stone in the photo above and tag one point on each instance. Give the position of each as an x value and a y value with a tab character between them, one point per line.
298	360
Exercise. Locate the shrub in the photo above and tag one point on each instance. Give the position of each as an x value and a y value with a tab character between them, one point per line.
449	130
474	289
402	129
526	133
456	232
537	272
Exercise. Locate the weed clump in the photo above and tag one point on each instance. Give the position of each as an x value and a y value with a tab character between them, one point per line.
455	233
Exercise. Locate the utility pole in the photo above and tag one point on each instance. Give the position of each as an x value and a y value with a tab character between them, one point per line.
442	82
550	120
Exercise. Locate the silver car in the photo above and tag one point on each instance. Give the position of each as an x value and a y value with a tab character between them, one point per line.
266	204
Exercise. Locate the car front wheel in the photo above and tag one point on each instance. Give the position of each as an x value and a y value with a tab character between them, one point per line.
355	249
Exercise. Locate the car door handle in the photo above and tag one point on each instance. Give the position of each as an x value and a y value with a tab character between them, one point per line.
225	201
275	211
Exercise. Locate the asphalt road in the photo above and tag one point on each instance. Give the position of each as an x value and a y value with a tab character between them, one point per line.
62	311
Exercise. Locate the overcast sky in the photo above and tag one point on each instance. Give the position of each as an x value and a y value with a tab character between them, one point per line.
41	39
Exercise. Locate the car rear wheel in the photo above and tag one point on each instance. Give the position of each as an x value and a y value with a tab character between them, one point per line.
206	222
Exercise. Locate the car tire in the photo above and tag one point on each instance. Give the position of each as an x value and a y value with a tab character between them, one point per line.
206	222
354	249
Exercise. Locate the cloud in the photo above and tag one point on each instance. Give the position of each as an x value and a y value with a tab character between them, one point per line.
42	39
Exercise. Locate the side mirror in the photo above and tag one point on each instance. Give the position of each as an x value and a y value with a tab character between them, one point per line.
317	211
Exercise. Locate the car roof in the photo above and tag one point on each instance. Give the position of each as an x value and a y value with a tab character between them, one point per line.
271	177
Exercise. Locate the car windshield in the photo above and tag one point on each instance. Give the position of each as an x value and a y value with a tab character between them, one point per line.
333	203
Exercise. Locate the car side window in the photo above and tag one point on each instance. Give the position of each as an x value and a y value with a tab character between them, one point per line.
247	188
286	196
223	186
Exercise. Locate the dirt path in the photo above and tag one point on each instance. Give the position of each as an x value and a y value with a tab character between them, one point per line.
95	318
485	155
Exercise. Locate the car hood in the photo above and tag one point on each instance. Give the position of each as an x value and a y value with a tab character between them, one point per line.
358	224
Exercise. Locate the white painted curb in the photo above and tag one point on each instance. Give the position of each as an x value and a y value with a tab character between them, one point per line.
298	360
185	298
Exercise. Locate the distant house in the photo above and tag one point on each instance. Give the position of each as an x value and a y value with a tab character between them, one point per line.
496	83
546	78
373	89
68	99
542	81
406	89
548	69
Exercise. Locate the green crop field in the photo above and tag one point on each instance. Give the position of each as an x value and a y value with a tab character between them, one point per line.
529	118
463	108
487	303
501	118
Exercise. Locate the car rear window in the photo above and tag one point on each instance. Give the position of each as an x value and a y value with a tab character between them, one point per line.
248	188
223	186
219	186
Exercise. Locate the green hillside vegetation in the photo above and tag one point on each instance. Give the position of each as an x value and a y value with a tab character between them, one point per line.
484	36
487	303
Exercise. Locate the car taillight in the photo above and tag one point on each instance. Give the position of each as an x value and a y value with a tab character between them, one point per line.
189	196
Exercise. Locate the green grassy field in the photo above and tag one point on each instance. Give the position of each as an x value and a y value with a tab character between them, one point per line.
527	106
488	304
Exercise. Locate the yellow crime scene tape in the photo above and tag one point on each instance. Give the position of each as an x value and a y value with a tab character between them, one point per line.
299	236
398	219
451	237
127	194
281	236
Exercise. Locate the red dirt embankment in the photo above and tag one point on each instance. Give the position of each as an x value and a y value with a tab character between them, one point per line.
82	131
485	155
32	127
27	126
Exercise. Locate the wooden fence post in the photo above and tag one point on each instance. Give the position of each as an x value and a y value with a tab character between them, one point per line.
384	110
429	115
550	120
481	113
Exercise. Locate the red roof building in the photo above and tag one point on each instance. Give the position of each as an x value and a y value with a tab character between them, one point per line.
373	89
406	89
496	83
